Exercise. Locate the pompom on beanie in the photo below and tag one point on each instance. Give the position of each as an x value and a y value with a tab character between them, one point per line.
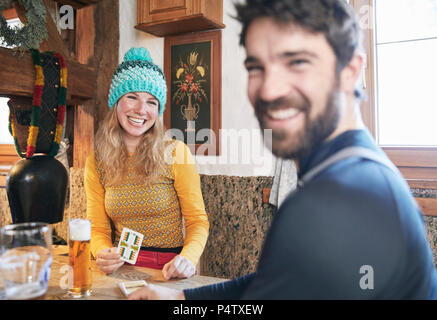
138	73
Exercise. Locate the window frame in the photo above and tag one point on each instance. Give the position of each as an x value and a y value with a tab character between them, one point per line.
417	164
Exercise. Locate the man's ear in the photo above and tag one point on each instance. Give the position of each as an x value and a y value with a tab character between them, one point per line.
350	74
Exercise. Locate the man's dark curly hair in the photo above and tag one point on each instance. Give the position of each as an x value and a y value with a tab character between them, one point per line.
334	18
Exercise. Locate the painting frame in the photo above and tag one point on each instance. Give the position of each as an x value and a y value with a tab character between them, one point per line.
204	92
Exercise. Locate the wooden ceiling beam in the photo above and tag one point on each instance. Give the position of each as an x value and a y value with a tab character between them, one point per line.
20	81
77	4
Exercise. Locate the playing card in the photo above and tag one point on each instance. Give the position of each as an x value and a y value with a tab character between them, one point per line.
129	245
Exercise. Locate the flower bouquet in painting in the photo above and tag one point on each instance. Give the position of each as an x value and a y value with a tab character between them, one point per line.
190	76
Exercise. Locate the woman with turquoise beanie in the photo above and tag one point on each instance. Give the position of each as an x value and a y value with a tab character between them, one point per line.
139	180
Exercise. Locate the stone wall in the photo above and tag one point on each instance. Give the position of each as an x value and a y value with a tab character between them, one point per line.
430	221
238	224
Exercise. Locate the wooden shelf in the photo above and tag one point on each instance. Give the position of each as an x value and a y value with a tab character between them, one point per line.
188	24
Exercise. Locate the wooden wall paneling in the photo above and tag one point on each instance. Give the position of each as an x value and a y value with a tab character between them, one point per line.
8	155
413	156
106	17
422	184
83	117
83	136
411	173
85	35
99	48
428	206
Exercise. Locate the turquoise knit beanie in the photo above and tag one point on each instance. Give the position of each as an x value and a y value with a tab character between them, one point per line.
138	73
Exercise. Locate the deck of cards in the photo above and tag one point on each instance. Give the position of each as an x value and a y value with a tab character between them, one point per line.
129	245
130	286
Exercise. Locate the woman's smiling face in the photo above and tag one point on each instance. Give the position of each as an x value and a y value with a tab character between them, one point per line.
137	113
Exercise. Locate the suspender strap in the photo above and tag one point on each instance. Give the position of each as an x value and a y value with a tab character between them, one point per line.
350	152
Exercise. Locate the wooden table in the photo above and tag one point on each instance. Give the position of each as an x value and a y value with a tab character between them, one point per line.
105	287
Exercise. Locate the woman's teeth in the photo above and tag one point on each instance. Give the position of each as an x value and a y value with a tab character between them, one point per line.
282	114
136	120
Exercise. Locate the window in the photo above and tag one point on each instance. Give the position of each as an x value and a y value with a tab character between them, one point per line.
5	136
400	42
8	155
406	72
13	22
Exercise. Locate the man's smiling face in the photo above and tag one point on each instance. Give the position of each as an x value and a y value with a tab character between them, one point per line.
292	85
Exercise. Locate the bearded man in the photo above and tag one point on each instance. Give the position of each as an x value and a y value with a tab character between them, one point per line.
352	229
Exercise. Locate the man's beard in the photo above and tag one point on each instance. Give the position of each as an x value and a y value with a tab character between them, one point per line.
314	131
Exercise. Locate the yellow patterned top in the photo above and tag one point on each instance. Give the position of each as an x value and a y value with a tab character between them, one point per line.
156	210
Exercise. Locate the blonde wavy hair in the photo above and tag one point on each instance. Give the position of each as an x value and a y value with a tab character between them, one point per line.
112	155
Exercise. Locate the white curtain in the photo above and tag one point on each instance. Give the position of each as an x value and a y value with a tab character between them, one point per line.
284	181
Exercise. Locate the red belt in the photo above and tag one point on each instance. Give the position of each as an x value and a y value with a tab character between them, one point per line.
154	259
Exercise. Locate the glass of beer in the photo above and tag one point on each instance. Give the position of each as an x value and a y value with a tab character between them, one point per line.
25	260
80	258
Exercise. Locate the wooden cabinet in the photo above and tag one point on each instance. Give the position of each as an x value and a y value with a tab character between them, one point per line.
169	17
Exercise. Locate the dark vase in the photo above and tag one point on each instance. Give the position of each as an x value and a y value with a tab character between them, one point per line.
37	189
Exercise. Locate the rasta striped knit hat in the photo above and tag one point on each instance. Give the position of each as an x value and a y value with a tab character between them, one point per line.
138	73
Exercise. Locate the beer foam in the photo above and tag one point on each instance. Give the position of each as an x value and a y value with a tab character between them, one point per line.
80	229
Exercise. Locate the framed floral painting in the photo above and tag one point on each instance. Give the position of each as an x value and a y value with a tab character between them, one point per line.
192	67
